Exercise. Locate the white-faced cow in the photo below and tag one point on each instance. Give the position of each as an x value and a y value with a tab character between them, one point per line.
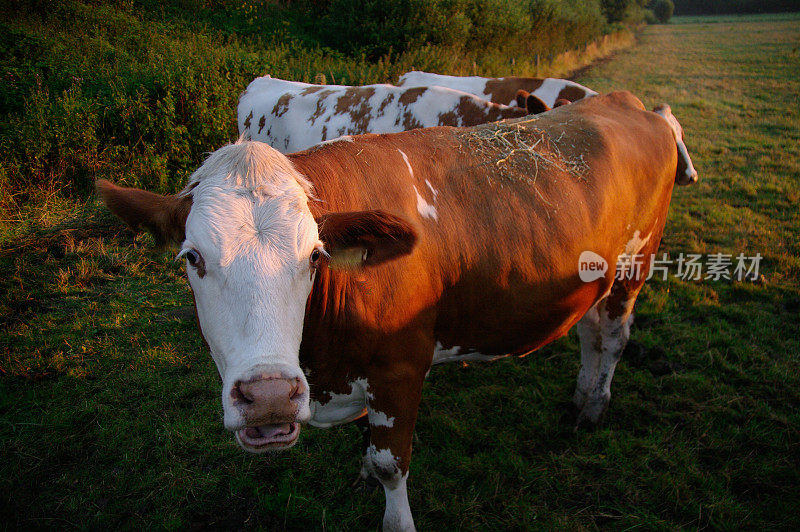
503	90
292	116
327	282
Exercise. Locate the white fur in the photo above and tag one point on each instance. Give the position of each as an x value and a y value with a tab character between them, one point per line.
397	516
251	224
425	209
442	355
627	262
296	128
548	91
408	164
603	339
665	112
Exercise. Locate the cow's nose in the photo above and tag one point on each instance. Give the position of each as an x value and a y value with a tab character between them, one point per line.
267	400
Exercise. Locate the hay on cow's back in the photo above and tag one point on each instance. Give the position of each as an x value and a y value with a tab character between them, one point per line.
516	150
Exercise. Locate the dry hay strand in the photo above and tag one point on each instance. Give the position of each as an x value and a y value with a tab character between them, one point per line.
518	149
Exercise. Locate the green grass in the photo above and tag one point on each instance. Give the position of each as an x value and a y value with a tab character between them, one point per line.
109	407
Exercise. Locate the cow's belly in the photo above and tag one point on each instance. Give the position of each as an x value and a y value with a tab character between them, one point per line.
456	353
342	407
517	322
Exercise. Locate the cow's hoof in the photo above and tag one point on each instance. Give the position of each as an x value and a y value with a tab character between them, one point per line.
591	414
364	482
579	399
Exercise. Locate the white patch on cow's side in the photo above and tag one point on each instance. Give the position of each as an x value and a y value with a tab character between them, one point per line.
455	354
425	209
408	164
636	243
629	263
342	407
433	190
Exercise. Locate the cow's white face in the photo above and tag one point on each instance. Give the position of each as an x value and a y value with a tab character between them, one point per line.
249	238
252	248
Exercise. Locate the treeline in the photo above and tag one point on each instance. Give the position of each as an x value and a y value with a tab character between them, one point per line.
720	7
139	90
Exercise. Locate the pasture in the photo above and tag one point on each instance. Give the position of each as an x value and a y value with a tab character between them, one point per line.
109	402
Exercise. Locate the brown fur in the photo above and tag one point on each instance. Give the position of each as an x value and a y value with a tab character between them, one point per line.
163	216
382	236
535	105
503	90
571	94
497	272
498	239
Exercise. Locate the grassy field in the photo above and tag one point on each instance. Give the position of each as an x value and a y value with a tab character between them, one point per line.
109	407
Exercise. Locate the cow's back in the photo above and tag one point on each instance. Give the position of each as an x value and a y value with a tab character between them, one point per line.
503	212
502	90
291	116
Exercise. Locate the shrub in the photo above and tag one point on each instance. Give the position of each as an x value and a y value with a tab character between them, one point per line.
139	90
623	10
663	9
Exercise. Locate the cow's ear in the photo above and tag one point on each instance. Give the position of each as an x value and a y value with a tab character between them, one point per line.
535	105
163	216
522	98
364	238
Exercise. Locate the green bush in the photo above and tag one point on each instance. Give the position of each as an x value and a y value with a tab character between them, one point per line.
662	9
139	90
623	10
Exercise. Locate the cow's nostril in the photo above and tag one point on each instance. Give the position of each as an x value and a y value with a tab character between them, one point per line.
297	390
240	396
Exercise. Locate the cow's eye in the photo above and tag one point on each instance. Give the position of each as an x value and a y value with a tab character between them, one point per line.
194	259
315	258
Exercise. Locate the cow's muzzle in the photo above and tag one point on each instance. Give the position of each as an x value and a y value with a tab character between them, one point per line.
269	404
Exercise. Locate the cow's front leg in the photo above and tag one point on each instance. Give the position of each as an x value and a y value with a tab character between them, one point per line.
364	480
392	412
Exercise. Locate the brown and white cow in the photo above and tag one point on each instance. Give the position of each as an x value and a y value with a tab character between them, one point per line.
502	90
292	116
327	282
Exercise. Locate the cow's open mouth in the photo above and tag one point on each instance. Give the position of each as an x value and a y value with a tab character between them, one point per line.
268	436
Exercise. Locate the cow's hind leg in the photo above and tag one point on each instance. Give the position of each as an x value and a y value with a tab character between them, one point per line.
603	332
590	338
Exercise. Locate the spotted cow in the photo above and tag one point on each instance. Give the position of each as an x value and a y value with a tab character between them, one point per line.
327	282
503	90
292	116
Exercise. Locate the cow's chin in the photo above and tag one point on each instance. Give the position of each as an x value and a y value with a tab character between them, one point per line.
268	437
